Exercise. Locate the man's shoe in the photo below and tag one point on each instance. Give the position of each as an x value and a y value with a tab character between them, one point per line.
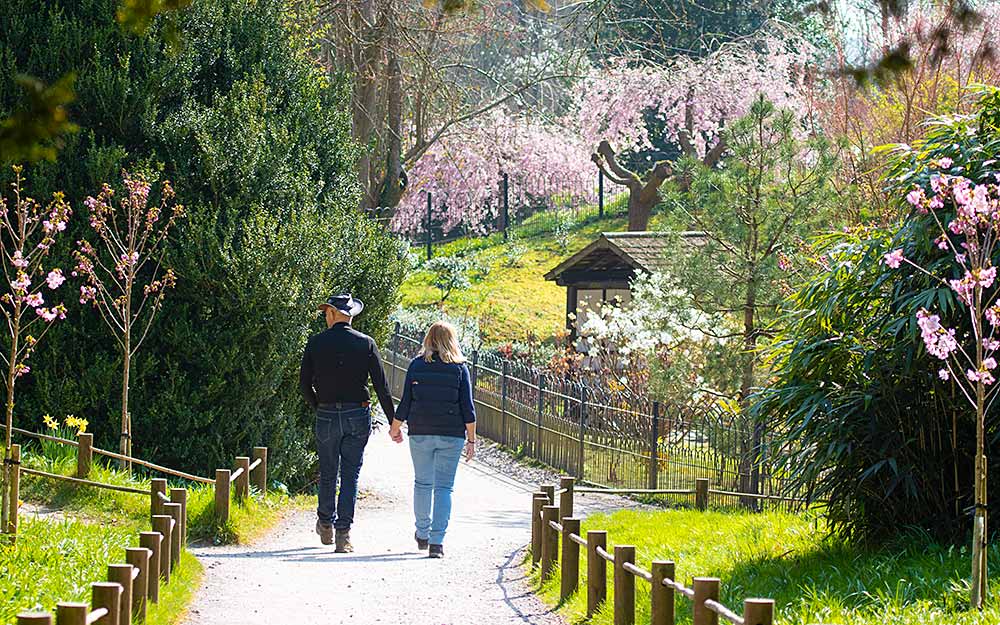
436	552
325	531
344	542
421	542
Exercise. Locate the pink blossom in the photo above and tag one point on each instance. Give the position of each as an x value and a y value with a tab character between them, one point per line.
893	258
55	279
972	375
34	300
915	197
990	344
987	276
87	294
22	283
990	363
993	315
21	369
19	260
943	374
942	242
939	341
944	163
48	314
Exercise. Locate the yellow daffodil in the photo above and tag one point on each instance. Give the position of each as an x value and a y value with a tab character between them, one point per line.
51	423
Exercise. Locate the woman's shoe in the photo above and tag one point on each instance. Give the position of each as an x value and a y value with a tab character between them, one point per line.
422	543
436	552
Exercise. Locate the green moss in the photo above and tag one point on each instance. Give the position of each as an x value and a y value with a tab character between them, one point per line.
787	557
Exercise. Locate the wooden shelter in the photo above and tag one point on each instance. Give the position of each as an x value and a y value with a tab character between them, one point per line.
603	271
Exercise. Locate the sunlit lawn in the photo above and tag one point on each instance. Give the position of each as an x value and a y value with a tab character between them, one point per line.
786	557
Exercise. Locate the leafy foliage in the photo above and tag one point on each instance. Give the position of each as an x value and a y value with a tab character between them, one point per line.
855	399
256	140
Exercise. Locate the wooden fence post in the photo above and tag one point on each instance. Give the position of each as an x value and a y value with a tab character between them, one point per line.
566	497
153	541
34	618
243	481
583	432
597	571
570	558
14	495
758	612
84	454
661	598
541	413
72	613
705	588
474	374
538	500
164	525
139	557
550	492
550	541
121	574
504	373
624	586
156	485
654	448
179	496
701	493
222	496
174	511
108	596
260	473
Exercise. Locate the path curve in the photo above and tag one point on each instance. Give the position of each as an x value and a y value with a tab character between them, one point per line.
290	578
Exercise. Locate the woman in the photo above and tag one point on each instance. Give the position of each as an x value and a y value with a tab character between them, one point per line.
437	403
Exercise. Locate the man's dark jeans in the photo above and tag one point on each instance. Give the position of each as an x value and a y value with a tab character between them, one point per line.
341	436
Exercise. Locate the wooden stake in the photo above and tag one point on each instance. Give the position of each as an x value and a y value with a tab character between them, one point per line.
758	612
570	558
661	598
179	496
538	500
156	485
164	525
84	454
624	586
566	497
701	493
153	541
222	496
108	596
121	574
260	473
705	588
139	557
174	511
597	571
72	613
243	481
34	618
15	490
550	541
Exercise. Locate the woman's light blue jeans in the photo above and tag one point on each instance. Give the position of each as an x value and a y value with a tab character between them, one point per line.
435	462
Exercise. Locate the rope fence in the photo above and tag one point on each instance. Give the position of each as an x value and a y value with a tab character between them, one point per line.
556	536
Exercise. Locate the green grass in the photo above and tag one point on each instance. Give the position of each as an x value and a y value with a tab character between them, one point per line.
57	560
786	557
513	303
247	521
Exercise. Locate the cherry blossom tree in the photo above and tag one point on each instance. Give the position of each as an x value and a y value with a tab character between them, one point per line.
27	233
125	279
463	172
693	99
969	360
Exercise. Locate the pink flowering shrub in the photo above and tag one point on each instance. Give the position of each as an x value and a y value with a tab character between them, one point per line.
124	277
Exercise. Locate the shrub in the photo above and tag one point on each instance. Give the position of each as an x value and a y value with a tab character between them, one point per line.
856	402
256	140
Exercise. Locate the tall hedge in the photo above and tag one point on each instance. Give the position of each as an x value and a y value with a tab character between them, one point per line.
257	143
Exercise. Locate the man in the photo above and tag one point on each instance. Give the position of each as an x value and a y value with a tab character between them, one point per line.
336	367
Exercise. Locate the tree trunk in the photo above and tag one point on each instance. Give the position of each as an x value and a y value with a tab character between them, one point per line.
750	473
5	508
364	59
392	186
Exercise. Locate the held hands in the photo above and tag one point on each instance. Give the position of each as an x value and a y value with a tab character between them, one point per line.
395	431
470	450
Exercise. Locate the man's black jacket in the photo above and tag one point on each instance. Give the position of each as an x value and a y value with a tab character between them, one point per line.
336	367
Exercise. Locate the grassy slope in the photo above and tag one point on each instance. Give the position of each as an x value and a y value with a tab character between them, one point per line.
57	560
513	303
785	557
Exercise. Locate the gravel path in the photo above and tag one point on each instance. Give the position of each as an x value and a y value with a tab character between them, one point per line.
290	578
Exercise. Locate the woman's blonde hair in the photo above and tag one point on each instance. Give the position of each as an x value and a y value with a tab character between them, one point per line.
442	340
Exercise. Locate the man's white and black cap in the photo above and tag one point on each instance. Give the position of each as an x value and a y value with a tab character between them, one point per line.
346	304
